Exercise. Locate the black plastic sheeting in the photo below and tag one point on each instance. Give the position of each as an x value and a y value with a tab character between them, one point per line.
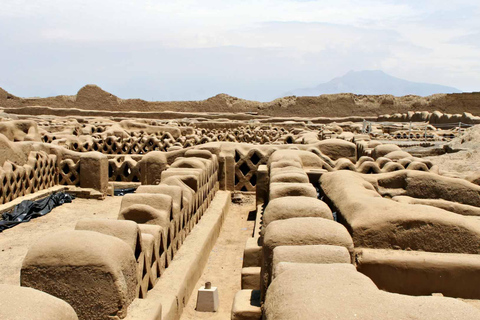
27	209
122	192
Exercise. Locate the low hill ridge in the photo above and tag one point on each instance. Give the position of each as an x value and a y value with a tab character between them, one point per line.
92	97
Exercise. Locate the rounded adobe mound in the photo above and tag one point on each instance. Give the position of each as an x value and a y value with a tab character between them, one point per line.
175	192
205	154
284	164
143	213
309	254
21	303
122	229
93	272
336	149
384	149
300	232
152	165
286	189
289	177
306	158
189	163
157	201
295	207
397	155
306	231
323	291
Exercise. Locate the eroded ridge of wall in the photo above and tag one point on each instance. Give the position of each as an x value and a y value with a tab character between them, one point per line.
308	257
177	202
103	265
435	117
415	232
239	161
333	155
126	142
312	291
297	227
294	216
92	99
38	173
362	202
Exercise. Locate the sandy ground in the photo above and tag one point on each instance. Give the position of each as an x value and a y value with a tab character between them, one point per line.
465	163
14	242
461	164
224	265
223	268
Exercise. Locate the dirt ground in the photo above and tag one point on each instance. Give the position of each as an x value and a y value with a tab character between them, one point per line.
224	265
461	164
14	242
223	268
465	163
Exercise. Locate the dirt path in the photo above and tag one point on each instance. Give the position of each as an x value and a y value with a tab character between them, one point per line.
14	242
224	264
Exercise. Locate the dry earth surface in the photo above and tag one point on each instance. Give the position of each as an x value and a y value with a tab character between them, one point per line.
15	242
223	268
464	163
224	264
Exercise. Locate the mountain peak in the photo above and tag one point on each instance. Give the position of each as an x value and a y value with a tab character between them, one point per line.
373	82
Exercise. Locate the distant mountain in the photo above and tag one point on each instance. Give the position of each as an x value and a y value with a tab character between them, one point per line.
373	82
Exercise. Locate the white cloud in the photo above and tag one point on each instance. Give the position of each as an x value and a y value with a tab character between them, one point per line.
428	41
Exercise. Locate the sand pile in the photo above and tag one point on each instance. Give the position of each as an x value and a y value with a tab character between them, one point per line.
466	162
470	139
4	95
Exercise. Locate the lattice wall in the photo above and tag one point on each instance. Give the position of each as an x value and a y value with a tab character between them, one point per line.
37	174
69	172
131	145
246	166
140	143
123	169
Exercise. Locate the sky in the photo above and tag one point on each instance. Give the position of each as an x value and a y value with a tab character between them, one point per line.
258	50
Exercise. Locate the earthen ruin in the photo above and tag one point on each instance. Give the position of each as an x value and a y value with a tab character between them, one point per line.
352	207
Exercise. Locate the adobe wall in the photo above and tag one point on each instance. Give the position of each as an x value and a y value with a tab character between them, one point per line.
337	211
92	97
368	241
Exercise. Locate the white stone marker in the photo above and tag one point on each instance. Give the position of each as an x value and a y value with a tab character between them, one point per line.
207	299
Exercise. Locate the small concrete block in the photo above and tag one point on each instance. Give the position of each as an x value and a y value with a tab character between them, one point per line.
251	278
246	305
207	299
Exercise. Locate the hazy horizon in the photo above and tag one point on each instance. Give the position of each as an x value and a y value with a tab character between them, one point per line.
192	50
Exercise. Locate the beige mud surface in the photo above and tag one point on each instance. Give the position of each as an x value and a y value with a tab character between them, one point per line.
464	163
224	265
14	242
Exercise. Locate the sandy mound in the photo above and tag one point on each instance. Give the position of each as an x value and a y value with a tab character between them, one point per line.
4	95
470	139
92	96
465	163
